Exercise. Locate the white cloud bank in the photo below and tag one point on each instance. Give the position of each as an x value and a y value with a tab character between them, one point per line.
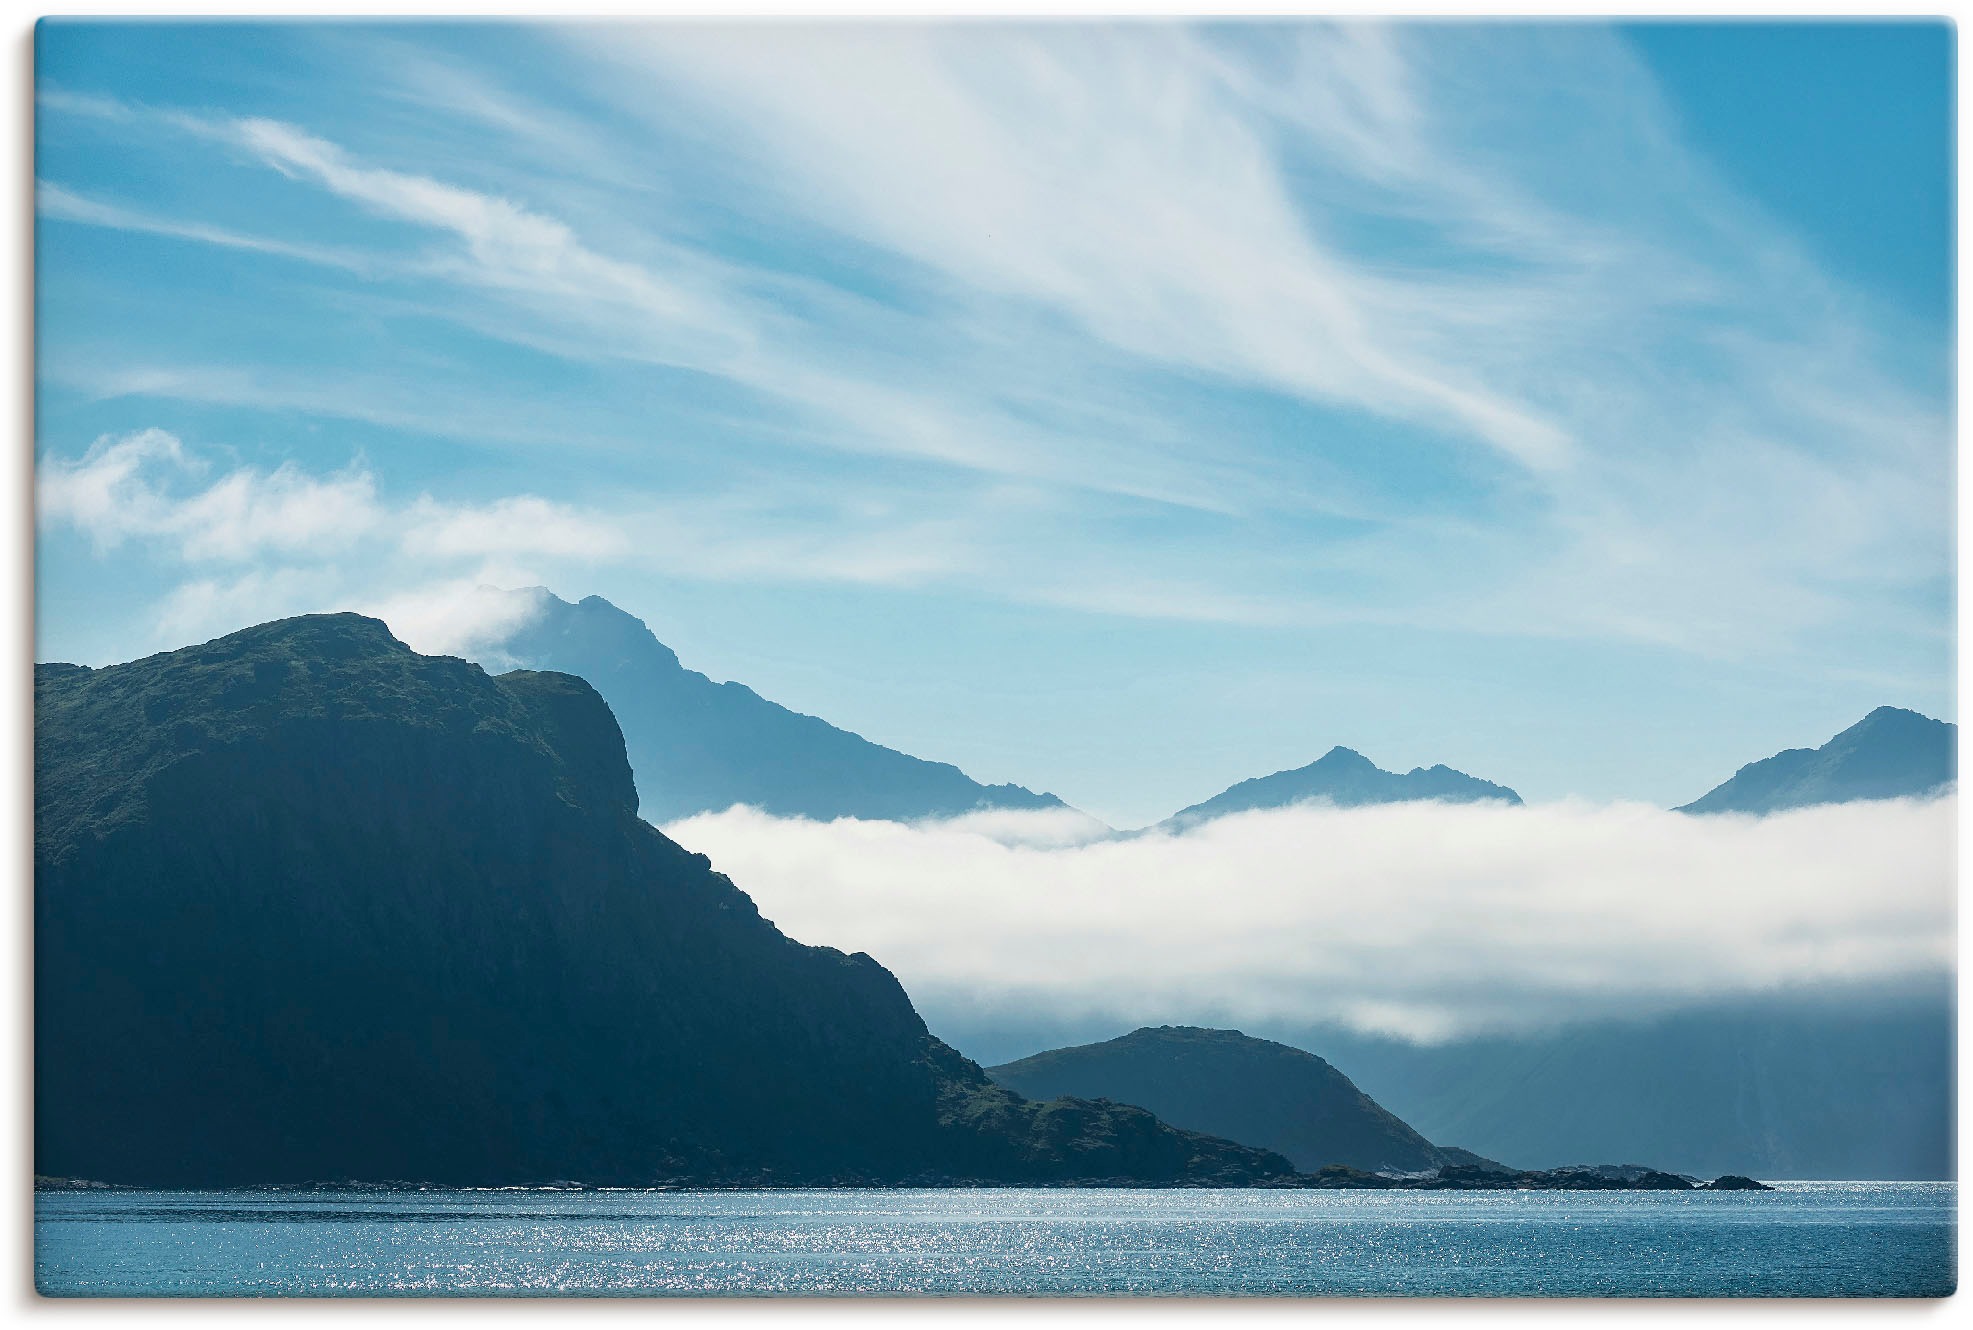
1424	920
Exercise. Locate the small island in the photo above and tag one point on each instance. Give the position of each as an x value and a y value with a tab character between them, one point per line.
1577	1177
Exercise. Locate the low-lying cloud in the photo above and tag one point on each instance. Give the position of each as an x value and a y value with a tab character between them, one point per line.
1428	921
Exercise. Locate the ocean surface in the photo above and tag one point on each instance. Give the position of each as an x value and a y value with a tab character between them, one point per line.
1807	1239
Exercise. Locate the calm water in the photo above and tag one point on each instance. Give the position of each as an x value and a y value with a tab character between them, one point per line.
1807	1239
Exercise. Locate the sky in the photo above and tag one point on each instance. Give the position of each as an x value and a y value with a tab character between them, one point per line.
1121	409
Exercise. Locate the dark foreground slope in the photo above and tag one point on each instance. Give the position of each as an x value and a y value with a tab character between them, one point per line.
1246	1089
1347	779
1889	754
309	906
699	746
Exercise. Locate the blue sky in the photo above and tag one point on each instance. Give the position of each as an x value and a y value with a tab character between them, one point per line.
1124	410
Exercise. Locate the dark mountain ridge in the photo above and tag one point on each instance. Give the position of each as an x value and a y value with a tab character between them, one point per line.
1347	779
1889	754
697	746
310	907
1284	1099
1841	1081
1250	1090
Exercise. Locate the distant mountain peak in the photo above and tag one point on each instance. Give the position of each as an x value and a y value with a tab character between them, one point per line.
1891	753
699	746
1346	778
1882	718
552	622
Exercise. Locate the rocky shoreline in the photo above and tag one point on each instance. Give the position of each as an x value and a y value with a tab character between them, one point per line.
1337	1177
1580	1177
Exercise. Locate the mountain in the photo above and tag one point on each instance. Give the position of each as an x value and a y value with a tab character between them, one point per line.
1245	1089
310	906
1848	1082
697	746
1348	779
1842	1085
1888	754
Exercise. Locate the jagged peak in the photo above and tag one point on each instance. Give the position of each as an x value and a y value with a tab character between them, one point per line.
1888	715
1892	752
591	615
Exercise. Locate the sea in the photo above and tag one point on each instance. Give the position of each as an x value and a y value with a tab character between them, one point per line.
1804	1239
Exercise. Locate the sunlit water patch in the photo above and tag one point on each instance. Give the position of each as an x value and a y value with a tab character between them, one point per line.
1805	1239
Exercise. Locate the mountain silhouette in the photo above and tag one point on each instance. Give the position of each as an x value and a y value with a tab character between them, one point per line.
697	746
309	906
1347	779
1229	1084
1889	754
1844	1083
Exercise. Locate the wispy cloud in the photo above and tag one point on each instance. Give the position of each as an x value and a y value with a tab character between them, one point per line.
675	305
288	541
523	525
1424	920
520	252
1053	255
327	541
134	487
53	201
457	618
1390	218
204	607
1105	172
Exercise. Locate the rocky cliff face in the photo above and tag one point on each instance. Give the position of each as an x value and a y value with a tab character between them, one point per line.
310	906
